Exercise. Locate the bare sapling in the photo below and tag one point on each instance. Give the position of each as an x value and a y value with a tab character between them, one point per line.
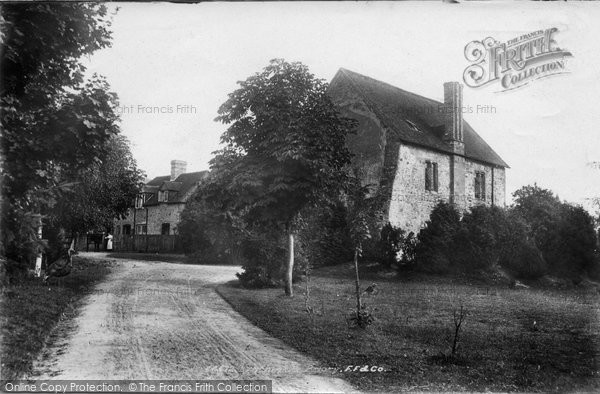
307	302
357	279
459	317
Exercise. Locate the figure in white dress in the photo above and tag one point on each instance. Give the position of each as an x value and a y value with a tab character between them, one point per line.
109	239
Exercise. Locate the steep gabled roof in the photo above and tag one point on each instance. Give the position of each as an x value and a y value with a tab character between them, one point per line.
415	119
182	186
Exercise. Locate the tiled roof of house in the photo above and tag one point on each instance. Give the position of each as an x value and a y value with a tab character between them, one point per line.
150	188
168	185
416	119
158	180
179	190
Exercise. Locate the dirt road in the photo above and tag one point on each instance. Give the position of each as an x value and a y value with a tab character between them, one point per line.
154	320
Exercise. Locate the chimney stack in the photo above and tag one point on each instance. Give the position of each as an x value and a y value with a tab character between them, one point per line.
178	167
453	117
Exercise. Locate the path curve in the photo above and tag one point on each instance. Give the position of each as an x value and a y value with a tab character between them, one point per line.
156	320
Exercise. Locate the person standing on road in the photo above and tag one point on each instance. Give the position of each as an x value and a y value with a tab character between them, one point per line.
109	242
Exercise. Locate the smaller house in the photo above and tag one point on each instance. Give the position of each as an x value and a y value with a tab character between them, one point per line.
158	208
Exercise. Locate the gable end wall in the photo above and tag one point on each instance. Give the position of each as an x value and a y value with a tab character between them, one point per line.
369	142
411	204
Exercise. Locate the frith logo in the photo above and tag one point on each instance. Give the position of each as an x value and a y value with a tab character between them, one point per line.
516	62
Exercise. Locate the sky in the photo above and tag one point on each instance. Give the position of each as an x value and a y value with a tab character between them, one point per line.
173	65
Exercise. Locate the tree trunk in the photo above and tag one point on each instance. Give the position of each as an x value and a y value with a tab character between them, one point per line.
289	269
38	258
358	303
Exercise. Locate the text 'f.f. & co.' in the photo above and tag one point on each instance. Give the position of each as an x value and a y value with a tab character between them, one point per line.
516	62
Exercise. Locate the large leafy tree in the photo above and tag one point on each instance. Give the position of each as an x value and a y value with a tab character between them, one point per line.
56	125
210	230
542	210
285	146
104	192
563	233
51	118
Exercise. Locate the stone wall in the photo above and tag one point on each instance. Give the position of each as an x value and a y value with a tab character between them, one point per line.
411	204
157	215
500	187
495	194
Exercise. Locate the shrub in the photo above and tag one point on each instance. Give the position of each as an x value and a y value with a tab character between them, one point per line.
492	236
518	253
594	270
483	240
264	251
20	242
262	262
389	244
540	235
478	242
392	246
527	262
435	241
408	252
573	253
563	233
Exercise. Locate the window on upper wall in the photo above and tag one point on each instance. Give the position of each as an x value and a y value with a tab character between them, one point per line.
431	176
139	201
165	195
165	229
480	185
141	229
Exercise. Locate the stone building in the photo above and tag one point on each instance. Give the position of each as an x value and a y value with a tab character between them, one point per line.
158	207
413	151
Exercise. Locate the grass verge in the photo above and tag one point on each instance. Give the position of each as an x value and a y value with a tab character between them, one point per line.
500	347
31	309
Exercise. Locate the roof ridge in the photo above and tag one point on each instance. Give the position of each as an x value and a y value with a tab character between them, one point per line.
392	107
194	172
185	173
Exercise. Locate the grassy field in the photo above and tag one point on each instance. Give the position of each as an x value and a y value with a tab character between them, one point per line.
30	310
500	347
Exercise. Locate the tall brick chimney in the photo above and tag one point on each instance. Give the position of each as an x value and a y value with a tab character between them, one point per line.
453	117
453	136
178	167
